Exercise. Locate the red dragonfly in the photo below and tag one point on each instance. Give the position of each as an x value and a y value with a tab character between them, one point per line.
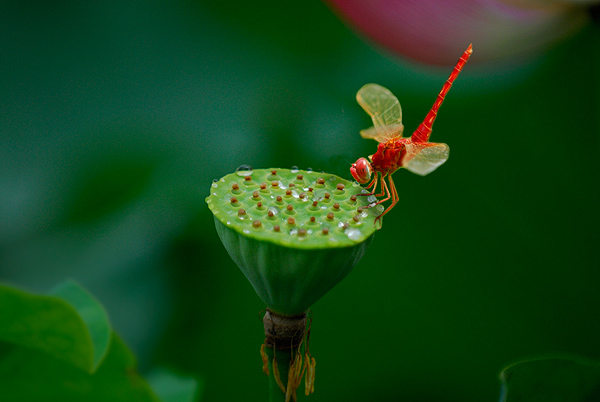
394	152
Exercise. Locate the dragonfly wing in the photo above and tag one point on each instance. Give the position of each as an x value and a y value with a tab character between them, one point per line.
383	134
424	158
384	109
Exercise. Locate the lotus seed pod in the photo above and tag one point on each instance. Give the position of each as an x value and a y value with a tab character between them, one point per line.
294	234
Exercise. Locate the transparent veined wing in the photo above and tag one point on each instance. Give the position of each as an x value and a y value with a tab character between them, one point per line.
424	157
384	109
383	134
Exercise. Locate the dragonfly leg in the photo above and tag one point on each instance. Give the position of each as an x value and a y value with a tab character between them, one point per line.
394	195
372	184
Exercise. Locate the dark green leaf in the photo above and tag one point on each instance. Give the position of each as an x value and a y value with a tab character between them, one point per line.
27	375
551	380
92	314
47	324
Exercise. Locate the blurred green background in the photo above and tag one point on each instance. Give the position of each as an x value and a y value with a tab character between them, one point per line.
115	116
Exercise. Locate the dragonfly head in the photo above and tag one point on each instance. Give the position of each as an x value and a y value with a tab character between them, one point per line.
361	170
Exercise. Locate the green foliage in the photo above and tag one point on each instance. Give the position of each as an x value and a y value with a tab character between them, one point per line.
61	347
551	380
107	186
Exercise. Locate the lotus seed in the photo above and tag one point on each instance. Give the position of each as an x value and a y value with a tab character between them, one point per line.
325	231
276	228
330	216
336	206
340	186
291	221
242	212
256	224
302	232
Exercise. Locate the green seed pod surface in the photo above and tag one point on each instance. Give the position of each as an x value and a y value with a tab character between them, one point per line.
248	204
294	234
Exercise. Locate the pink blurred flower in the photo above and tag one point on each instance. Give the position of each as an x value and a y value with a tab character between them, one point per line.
437	31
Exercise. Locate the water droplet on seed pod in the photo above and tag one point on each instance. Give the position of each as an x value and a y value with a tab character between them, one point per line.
244	170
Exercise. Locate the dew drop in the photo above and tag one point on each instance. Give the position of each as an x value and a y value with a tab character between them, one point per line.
244	170
215	180
371	198
273	210
355	184
309	170
354	234
294	169
214	185
246	231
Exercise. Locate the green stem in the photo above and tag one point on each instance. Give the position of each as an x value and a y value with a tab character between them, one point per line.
283	363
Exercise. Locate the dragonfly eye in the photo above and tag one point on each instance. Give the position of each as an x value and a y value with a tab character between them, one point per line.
361	170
